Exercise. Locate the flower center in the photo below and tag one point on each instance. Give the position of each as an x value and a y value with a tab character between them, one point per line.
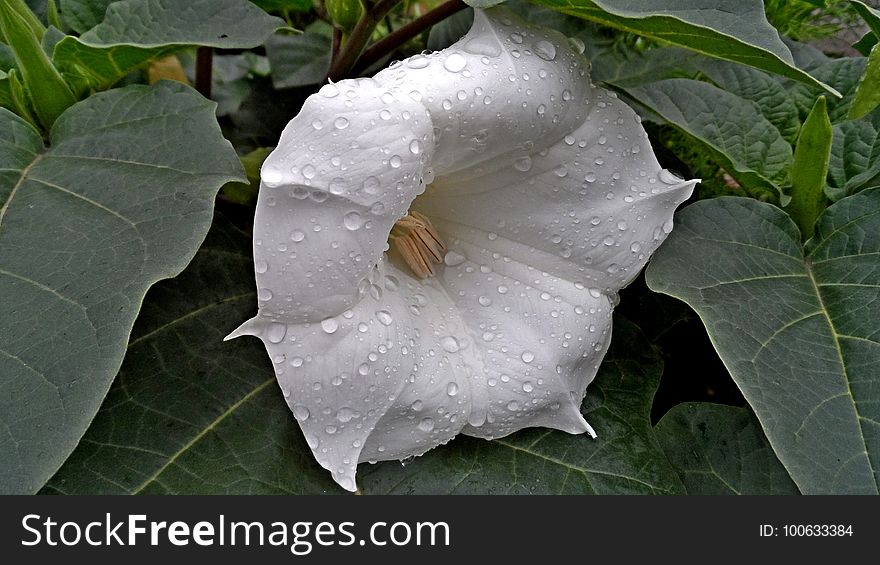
418	243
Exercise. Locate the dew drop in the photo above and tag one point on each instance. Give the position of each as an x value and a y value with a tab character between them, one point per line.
449	344
513	405
545	50
426	425
527	356
260	266
276	332
341	123
484	301
452	259
329	325
451	389
395	161
455	63
309	171
300	412
384	317
352	221
528	387
523	164
344	414
415	147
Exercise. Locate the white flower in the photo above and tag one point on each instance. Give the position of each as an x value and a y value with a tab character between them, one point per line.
548	197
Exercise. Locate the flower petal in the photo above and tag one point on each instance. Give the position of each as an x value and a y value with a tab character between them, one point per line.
346	168
373	382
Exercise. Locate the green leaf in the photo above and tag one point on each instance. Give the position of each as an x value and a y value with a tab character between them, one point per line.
734	30
83	15
868	92
869	14
799	330
27	18
299	60
190	413
760	88
809	169
855	156
625	458
844	75
732	129
282	5
13	97
450	30
721	450
246	193
136	31
46	89
631	70
117	202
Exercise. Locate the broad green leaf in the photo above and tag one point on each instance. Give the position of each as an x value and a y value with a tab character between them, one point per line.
450	30
844	75
855	156
299	60
798	329
720	449
135	31
868	92
282	5
869	14
118	201
865	44
809	169
631	70
625	458
733	129
760	88
46	89
805	55
83	15
734	30
27	17
188	412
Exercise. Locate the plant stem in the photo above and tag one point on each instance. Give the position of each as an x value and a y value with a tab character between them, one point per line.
204	67
336	44
397	38
360	35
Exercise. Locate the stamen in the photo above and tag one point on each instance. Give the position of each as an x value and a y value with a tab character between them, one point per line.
419	244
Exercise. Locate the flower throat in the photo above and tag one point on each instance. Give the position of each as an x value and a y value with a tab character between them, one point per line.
418	243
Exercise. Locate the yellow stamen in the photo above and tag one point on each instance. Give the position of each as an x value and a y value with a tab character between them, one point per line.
419	244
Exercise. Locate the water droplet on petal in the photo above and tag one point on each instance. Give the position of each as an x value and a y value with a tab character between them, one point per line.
523	164
309	171
452	389
395	161
528	387
276	332
329	325
260	266
300	412
426	425
384	317
344	414
449	344
454	63
297	235
484	301
452	259
341	123
545	50
513	405
415	147
352	221
527	356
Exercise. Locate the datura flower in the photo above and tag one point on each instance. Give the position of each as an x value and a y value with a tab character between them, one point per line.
438	248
